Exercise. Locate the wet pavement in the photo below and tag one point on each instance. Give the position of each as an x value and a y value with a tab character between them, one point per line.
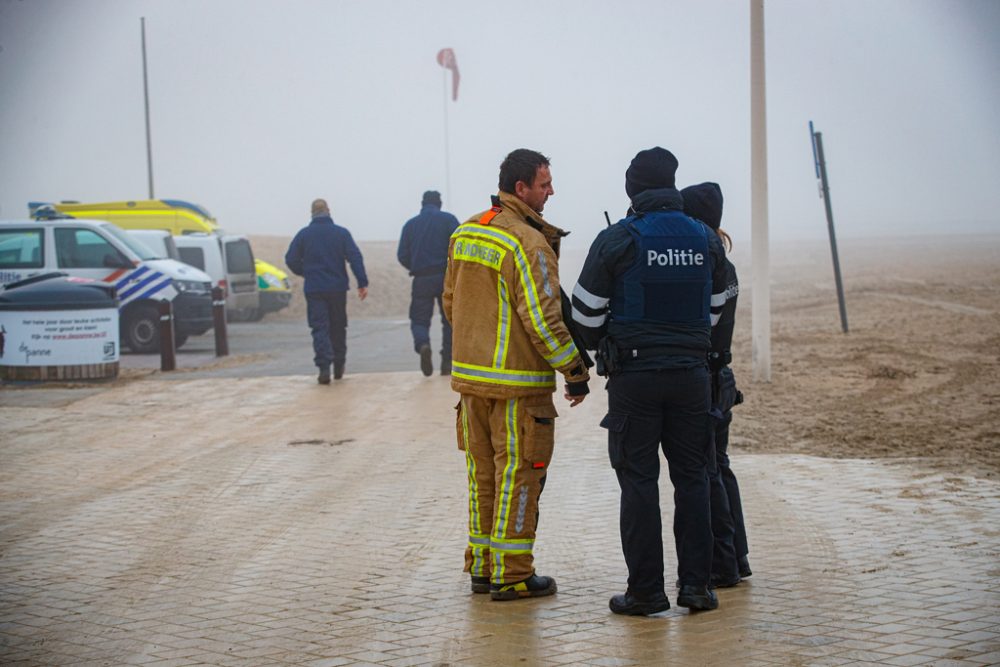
189	518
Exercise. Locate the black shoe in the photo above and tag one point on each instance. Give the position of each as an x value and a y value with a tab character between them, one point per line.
722	581
532	587
445	367
744	566
628	605
338	371
697	598
324	375
426	362
480	584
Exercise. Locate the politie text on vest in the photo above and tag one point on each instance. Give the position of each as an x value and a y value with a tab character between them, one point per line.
674	257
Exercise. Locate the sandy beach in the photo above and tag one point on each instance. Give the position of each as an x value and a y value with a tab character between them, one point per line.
916	376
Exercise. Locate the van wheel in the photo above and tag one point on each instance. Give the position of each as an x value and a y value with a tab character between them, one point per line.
141	332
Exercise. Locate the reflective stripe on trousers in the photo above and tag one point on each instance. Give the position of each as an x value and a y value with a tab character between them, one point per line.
503	486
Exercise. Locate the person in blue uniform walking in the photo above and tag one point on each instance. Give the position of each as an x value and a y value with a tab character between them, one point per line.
320	252
730	562
649	292
423	251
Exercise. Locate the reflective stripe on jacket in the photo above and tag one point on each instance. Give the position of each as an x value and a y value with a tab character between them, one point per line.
501	295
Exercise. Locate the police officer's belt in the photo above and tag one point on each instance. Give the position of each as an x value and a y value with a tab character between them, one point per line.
625	353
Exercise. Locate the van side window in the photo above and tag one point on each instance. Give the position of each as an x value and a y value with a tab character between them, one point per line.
239	257
21	249
193	256
84	249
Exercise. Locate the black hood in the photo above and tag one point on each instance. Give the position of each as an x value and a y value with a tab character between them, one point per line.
704	202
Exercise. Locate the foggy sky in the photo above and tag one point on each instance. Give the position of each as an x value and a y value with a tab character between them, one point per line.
259	107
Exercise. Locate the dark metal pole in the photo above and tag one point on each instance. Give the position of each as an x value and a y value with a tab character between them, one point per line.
821	164
168	353
219	320
145	92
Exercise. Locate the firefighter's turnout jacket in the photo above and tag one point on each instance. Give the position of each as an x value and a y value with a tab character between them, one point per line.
501	295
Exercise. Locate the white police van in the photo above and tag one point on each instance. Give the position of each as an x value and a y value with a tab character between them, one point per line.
102	251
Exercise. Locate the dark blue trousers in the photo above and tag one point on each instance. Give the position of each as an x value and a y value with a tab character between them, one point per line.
326	313
727	508
425	292
648	410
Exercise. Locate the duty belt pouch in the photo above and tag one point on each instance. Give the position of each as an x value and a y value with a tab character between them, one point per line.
607	357
617	425
725	394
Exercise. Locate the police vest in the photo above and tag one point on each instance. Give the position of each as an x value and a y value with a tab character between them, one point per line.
670	281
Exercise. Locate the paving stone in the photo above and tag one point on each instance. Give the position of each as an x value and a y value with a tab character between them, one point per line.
208	537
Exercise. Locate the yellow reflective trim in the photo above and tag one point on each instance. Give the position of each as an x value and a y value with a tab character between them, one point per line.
479	251
527	281
503	325
507	485
475	519
503	376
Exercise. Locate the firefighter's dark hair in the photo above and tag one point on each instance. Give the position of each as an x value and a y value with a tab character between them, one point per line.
520	165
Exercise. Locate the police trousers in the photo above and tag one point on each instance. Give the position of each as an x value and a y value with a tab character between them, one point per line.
508	446
728	526
648	410
727	507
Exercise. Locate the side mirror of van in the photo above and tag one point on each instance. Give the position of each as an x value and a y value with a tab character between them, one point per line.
116	261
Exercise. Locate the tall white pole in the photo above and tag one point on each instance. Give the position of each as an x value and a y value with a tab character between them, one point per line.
761	296
447	160
145	94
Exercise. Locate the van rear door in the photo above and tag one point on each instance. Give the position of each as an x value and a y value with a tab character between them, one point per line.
241	273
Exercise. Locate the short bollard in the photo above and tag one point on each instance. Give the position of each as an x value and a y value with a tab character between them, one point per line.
168	355
219	316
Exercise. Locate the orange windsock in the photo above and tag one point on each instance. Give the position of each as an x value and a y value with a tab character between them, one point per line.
446	59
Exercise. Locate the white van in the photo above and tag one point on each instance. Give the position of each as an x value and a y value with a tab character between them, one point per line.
101	251
161	243
229	260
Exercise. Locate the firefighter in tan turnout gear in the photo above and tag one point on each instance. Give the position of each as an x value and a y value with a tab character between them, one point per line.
501	295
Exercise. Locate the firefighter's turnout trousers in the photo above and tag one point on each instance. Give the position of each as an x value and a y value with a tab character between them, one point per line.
508	446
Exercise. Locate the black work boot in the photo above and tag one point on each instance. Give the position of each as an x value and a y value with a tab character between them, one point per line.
629	605
480	584
532	587
338	370
426	360
697	598
324	375
445	365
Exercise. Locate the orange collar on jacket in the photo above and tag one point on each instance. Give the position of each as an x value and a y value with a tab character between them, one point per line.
492	213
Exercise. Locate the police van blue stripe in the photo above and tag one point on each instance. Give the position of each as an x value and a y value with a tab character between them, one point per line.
129	277
142	284
155	288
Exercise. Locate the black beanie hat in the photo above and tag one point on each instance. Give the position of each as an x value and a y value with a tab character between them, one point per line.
431	197
650	169
704	202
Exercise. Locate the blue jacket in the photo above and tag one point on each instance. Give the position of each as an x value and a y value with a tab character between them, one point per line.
423	245
319	252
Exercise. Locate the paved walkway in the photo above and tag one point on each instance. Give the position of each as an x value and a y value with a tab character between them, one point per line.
271	521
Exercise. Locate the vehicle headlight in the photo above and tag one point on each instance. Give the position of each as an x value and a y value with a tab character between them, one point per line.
191	286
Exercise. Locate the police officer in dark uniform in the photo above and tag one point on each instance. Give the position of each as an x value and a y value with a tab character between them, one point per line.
645	301
730	561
